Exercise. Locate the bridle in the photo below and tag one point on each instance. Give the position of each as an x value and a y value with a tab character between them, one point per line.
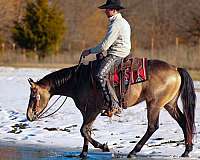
37	98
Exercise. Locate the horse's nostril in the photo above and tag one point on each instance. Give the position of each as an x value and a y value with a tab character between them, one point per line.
33	118
30	118
31	115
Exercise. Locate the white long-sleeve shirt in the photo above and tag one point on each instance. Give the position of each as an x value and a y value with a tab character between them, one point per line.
118	38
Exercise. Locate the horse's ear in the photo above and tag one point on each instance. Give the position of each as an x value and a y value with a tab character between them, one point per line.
31	82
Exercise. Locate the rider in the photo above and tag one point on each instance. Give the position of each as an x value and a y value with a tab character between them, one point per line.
117	43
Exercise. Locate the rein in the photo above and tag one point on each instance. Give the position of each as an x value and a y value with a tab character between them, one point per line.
79	63
40	116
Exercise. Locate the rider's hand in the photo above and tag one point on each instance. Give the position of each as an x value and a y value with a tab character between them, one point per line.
85	52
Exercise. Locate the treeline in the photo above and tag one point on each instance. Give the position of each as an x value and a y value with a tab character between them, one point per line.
162	21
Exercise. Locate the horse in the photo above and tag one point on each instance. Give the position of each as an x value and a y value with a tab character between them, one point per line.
165	84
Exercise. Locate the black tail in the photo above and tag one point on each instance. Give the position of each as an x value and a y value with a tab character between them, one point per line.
188	98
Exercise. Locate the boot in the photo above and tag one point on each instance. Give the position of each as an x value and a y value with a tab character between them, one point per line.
113	103
114	109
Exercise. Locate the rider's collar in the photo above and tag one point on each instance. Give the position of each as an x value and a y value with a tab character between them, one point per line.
118	15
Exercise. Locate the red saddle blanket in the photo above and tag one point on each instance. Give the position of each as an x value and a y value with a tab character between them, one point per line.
135	73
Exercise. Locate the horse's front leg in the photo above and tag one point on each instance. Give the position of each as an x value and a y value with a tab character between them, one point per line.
87	137
85	149
86	133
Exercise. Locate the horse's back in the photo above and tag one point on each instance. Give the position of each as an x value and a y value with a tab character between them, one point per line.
159	65
162	72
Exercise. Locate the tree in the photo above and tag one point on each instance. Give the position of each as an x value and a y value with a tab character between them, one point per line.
42	28
189	25
8	12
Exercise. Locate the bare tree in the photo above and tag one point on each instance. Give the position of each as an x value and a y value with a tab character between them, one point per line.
8	13
189	24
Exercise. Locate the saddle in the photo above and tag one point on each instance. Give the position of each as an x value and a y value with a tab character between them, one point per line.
130	71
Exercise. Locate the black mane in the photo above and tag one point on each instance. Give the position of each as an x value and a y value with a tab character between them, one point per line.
58	78
79	74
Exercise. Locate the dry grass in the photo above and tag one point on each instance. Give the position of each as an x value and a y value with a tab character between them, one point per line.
182	56
195	74
37	65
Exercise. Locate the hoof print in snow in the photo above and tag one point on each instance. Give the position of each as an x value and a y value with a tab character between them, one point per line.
72	126
57	129
15	131
40	141
132	141
94	129
120	147
51	129
158	139
65	129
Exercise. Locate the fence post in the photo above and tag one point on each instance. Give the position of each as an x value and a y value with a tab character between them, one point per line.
152	46
134	44
13	46
3	47
199	46
199	49
35	49
177	43
176	50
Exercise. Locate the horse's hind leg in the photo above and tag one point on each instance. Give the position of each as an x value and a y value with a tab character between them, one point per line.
153	111
86	133
175	112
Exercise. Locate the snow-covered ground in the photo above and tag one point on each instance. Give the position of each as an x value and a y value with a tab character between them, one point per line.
121	133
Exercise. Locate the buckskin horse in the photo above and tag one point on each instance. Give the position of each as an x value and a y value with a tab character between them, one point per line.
166	83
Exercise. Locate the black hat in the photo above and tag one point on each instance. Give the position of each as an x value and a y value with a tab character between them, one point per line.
112	4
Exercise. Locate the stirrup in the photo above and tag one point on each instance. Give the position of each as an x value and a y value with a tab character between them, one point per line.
110	113
107	113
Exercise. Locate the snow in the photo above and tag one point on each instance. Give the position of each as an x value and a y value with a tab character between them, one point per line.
121	133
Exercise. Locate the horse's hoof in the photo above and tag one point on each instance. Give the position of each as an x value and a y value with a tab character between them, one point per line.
185	154
105	148
83	155
131	155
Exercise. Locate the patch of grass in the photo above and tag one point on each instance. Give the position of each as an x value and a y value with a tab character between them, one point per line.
17	128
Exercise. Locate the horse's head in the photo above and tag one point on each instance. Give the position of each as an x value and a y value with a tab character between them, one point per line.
38	101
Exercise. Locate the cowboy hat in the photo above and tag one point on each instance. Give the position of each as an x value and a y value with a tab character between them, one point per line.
112	4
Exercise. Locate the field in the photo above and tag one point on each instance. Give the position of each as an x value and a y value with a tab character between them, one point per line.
62	129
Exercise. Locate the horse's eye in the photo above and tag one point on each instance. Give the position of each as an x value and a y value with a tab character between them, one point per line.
34	95
38	97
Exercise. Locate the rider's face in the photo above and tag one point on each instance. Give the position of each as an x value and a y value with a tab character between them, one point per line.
110	12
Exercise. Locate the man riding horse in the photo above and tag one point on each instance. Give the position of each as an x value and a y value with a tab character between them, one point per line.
117	44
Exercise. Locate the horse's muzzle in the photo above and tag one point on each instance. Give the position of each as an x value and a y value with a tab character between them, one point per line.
31	116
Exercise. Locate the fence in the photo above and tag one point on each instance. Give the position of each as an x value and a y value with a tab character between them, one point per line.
177	54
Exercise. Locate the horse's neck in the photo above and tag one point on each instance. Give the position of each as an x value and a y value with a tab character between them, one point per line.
71	80
58	81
